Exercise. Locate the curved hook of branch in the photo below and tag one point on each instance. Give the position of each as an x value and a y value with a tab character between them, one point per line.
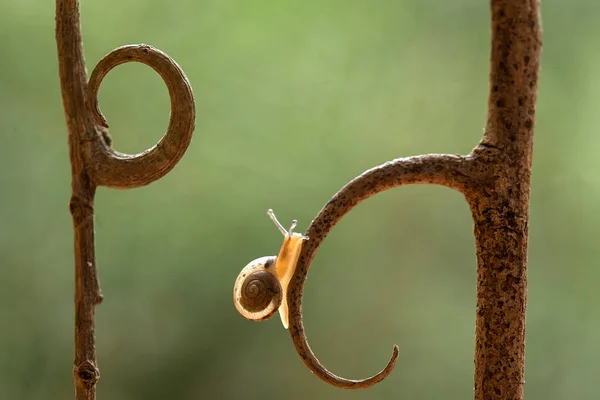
447	170
114	169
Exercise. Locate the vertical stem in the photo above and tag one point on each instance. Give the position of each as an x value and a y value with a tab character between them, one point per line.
80	128
500	206
87	291
501	242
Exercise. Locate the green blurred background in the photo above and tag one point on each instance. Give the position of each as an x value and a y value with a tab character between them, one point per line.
293	100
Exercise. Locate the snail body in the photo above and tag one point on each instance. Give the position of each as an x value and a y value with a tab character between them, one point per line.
260	289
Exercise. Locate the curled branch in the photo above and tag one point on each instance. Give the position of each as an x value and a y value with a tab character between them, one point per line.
94	163
114	169
446	170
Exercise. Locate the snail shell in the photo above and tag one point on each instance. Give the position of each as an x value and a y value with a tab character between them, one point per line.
257	293
261	288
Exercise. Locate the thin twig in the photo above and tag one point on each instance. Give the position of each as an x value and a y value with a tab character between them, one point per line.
95	163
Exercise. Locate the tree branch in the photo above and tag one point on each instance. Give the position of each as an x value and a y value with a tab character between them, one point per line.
452	171
514	67
495	179
115	169
501	209
94	163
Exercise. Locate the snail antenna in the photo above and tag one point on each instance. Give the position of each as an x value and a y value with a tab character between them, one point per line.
294	223
278	224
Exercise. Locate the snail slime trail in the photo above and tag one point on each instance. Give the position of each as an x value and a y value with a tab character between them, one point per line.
261	287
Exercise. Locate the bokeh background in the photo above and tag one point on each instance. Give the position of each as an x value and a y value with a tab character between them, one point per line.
293	100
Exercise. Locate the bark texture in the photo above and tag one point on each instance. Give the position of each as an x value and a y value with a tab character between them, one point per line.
501	206
95	163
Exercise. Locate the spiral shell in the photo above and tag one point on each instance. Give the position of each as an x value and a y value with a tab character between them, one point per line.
257	292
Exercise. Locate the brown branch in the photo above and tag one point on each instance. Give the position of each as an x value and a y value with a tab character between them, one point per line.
501	209
120	170
452	171
495	179
93	163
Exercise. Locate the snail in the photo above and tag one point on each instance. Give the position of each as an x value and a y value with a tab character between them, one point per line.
261	287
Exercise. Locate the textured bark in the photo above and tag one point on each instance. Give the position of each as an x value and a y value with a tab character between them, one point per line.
495	180
501	207
95	163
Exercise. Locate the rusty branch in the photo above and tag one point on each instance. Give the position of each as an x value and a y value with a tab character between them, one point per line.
115	169
452	171
501	209
495	179
94	163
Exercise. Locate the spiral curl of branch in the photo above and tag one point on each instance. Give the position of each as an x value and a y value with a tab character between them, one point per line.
114	169
448	170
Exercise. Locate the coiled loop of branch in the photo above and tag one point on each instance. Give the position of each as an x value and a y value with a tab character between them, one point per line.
447	170
114	169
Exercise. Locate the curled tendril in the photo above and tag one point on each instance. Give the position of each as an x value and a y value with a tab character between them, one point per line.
447	170
114	169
